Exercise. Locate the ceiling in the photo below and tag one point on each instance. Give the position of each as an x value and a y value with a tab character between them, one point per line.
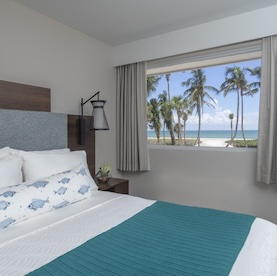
117	22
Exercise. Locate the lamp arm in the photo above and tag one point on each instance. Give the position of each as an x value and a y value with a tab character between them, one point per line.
83	103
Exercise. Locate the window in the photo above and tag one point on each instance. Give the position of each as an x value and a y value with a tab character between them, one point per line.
209	99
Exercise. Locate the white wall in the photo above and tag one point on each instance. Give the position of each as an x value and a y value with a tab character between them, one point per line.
247	26
37	50
215	179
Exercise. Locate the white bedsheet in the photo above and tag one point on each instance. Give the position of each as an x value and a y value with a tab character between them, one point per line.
35	242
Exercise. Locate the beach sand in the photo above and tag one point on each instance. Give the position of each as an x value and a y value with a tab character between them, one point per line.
213	142
208	142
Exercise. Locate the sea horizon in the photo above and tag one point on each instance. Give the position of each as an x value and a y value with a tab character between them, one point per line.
249	134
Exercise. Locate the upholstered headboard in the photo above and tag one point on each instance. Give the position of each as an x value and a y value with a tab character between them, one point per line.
32	130
27	124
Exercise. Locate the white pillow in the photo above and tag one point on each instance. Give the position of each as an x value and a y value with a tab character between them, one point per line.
23	152
37	166
26	200
10	170
5	152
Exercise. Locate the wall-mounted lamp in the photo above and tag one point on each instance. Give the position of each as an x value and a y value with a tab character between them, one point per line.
98	120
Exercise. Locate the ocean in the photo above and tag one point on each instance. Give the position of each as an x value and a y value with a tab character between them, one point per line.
249	134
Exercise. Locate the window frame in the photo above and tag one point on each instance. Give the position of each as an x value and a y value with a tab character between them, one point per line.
212	57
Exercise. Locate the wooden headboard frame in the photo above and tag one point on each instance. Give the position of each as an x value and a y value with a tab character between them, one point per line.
27	97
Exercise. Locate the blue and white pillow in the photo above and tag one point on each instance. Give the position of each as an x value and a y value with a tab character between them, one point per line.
29	199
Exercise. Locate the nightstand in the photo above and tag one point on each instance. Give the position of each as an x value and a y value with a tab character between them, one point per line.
115	185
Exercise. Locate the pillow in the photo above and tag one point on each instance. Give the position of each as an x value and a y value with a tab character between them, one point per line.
36	166
26	200
5	152
23	152
10	170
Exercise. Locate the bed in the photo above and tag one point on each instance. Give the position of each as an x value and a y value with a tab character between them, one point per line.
56	222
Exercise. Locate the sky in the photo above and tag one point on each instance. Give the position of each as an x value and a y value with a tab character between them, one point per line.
218	118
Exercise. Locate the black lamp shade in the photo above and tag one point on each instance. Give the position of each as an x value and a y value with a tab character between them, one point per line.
99	120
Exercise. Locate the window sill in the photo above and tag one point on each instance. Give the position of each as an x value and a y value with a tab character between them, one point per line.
203	148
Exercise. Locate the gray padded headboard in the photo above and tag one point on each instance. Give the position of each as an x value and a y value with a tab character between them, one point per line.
32	130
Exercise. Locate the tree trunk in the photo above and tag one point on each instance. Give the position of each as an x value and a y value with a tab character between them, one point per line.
199	112
184	132
199	126
179	130
167	76
237	120
164	132
242	130
231	131
171	130
158	136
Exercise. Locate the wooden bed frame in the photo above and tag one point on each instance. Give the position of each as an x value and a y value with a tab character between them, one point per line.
27	97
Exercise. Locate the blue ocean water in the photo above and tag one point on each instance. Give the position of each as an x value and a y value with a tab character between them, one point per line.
249	134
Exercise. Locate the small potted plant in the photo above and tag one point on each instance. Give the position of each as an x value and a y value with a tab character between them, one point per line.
104	173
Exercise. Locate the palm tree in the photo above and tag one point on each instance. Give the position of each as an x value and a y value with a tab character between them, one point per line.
236	82
162	102
167	77
171	121
185	115
149	113
196	95
254	87
231	117
256	72
166	112
176	129
154	117
232	84
248	92
152	83
178	105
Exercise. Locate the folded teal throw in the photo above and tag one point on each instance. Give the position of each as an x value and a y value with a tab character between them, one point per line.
163	239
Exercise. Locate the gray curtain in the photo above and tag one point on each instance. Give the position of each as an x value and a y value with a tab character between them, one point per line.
131	121
267	140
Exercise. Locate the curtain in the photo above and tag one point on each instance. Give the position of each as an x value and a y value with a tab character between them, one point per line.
131	121
267	143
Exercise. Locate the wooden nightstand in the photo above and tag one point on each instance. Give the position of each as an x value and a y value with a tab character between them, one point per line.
115	185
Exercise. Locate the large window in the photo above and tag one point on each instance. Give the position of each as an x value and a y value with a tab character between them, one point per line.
210	105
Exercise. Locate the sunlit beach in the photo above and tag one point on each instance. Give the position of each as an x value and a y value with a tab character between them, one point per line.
205	142
213	142
208	138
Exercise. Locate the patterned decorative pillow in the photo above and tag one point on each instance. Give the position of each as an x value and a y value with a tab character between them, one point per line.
29	199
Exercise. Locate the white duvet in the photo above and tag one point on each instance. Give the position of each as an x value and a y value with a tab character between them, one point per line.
30	244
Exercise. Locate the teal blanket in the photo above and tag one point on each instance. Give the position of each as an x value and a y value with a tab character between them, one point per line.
163	239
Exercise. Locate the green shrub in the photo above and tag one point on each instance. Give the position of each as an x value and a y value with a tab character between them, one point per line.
250	143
